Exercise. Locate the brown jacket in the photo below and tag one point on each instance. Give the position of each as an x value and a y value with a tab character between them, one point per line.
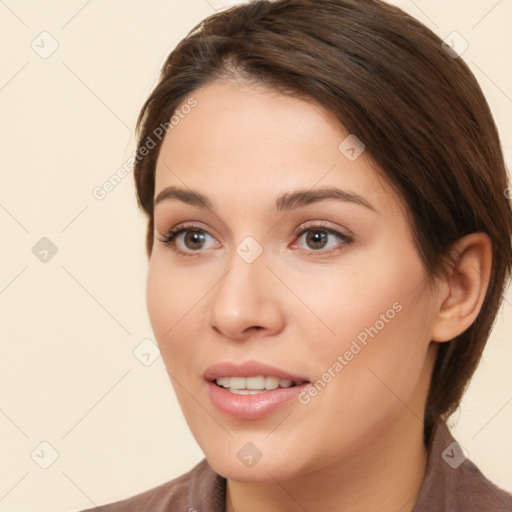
452	483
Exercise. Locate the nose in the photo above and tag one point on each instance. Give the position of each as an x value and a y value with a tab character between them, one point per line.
245	301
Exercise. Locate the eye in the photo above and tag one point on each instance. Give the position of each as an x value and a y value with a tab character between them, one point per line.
317	237
189	239
191	236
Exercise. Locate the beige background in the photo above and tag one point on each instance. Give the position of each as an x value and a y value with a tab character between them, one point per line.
69	326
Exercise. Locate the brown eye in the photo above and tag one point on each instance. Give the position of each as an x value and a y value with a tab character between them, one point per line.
187	240
316	239
194	239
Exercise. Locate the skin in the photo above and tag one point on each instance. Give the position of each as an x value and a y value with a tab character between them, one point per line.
358	444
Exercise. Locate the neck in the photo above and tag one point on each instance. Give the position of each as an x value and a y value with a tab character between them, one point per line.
387	477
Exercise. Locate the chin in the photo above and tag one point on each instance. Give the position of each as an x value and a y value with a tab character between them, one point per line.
255	460
261	472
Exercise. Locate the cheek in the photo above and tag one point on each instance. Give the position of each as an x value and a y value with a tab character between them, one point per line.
168	298
376	316
385	372
159	301
373	366
175	299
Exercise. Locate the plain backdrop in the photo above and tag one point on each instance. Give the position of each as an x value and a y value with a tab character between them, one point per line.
85	418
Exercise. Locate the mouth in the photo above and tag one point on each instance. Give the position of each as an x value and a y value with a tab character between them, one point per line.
251	390
254	385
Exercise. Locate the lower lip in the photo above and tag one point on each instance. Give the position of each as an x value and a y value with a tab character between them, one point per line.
251	407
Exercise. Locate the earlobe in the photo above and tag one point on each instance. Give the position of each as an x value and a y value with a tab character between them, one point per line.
465	287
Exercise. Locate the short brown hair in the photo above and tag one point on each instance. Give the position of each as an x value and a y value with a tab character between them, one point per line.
419	111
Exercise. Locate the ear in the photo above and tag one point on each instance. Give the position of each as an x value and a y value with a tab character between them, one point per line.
462	293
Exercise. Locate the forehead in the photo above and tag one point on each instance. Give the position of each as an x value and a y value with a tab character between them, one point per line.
251	142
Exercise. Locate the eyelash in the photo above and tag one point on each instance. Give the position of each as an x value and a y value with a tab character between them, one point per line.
170	238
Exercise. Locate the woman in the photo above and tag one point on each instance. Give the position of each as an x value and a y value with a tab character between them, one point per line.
328	242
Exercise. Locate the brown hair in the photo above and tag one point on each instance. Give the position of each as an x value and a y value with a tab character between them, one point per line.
419	111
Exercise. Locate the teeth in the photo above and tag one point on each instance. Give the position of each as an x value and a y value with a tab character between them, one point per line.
252	385
237	383
246	391
223	381
271	382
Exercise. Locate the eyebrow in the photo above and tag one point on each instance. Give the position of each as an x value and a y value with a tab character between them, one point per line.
285	202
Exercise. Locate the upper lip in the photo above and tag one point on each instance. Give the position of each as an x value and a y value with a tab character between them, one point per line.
249	369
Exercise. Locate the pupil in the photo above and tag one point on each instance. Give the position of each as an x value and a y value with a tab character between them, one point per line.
317	236
195	237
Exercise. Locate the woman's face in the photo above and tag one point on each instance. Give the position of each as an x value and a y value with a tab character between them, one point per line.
279	280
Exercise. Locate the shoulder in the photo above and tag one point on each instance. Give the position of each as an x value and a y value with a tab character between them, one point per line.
454	483
476	491
198	489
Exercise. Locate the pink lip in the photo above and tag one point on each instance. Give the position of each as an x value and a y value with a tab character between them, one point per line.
248	369
250	407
